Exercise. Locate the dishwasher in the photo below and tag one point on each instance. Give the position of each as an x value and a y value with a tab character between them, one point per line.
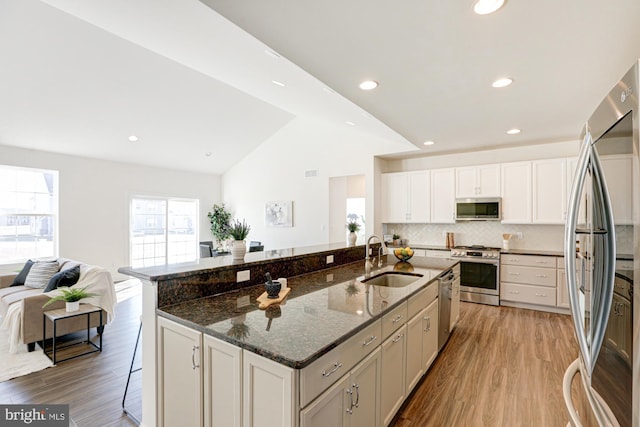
445	285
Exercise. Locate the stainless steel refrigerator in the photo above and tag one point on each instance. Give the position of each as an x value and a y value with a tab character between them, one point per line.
602	239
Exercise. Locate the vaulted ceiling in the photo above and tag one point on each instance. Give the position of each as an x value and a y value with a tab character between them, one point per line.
193	81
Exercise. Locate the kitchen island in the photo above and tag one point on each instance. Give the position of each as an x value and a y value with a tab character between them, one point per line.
271	365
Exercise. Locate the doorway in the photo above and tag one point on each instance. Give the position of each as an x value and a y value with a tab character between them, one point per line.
346	204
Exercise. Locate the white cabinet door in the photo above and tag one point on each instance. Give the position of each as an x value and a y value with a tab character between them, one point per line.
455	303
365	392
418	194
549	191
430	335
179	375
516	193
619	173
562	293
269	393
489	181
443	196
392	384
466	182
222	383
330	408
395	201
414	365
478	181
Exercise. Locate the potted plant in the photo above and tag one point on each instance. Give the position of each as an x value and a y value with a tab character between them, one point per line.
220	219
396	239
71	296
239	231
352	226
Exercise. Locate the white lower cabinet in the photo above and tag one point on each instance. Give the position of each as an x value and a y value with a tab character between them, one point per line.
180	377
222	383
269	393
422	344
393	387
352	401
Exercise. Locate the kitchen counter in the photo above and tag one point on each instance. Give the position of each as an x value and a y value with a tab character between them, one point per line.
322	310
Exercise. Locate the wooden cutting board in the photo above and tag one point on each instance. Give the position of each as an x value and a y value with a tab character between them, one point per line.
265	301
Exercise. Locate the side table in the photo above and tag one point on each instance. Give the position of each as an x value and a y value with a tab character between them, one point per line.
55	315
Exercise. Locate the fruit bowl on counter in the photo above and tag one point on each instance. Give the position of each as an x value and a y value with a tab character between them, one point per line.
403	254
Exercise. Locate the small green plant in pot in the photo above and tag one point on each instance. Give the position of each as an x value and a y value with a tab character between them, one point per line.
239	231
353	227
71	296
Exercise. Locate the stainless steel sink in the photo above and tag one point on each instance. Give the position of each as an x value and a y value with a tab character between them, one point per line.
393	280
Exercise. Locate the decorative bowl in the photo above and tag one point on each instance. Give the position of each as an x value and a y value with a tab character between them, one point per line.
403	254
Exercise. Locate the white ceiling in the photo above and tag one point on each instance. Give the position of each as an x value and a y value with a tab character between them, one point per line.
80	76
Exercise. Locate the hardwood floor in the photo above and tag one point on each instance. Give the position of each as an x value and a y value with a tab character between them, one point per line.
92	385
502	367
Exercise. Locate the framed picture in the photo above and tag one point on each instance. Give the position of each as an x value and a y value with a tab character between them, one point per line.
278	214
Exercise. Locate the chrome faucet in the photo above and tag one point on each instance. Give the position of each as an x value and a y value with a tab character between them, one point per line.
367	258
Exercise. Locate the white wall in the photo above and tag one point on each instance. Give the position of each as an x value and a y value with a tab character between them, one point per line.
94	201
276	171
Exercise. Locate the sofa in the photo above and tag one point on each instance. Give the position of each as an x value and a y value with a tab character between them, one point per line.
21	307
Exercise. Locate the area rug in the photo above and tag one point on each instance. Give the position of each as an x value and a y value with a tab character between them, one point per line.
21	363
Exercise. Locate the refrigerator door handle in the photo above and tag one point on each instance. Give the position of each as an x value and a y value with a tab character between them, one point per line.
602	292
577	312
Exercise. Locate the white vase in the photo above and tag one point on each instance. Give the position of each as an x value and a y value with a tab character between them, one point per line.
72	306
352	238
239	249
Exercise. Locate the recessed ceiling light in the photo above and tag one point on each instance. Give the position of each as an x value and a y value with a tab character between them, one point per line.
485	7
133	138
277	83
350	123
429	142
502	82
513	131
208	154
368	85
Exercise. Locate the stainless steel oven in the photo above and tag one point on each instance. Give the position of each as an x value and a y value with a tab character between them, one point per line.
479	274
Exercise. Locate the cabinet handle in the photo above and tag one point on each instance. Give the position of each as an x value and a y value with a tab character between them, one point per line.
428	319
336	366
397	319
369	341
350	409
541	262
514	274
541	275
398	338
357	387
541	295
193	357
514	292
514	259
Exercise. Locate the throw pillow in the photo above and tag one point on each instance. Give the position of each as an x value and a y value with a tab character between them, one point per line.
40	274
68	277
22	276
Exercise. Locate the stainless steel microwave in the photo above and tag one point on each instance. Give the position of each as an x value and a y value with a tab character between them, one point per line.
479	209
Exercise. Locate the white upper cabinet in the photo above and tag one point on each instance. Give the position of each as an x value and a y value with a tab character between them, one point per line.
618	172
549	191
405	197
443	196
478	181
516	193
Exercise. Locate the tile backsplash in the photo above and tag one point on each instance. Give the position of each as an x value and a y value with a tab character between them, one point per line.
489	233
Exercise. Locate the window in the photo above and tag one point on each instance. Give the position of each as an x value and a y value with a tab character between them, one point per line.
163	231
28	214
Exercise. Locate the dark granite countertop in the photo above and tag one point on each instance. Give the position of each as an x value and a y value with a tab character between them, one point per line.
322	310
201	265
